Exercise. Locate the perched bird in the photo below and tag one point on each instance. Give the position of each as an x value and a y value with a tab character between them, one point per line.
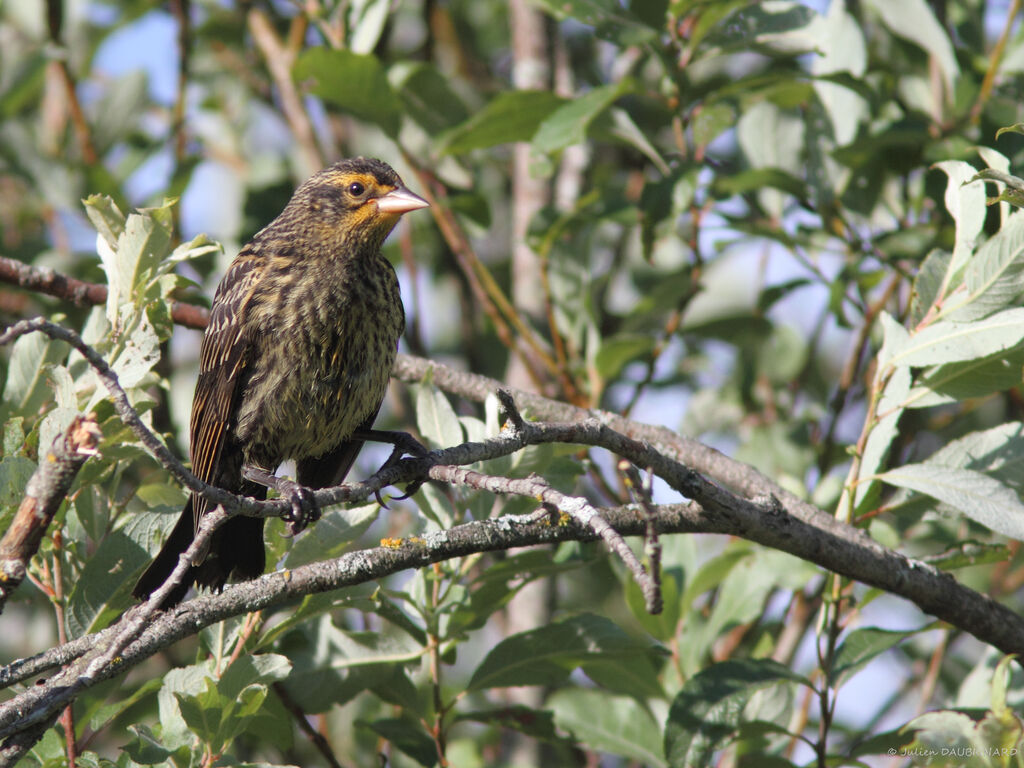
294	363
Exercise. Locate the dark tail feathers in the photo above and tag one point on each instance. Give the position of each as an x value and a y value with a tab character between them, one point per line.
235	550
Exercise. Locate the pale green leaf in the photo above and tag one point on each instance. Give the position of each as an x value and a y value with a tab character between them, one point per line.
980	497
435	417
915	21
966	204
949	342
510	116
705	715
606	723
568	124
355	82
994	277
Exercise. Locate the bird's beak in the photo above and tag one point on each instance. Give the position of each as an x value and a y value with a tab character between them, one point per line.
400	200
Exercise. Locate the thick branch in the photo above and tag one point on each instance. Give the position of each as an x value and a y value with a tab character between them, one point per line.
772	518
790	525
82	293
285	587
45	492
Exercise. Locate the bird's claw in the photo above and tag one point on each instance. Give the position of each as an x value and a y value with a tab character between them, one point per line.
405	444
304	509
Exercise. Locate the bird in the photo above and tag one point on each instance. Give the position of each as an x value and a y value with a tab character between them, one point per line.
294	364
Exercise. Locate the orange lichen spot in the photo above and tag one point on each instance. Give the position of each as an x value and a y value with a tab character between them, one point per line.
391	543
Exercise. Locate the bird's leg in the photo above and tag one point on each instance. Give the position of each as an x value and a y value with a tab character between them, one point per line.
403	443
304	507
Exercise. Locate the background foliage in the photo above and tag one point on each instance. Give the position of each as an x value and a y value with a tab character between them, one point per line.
756	223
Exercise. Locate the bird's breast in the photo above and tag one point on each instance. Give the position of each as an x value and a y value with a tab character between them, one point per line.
321	366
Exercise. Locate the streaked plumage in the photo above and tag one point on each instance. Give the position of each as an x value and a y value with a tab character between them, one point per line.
302	336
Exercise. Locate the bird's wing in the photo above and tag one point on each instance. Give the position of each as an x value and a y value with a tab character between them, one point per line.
222	359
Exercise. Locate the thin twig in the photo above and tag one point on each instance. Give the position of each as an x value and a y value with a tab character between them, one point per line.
318	740
995	60
280	58
486	290
652	545
55	21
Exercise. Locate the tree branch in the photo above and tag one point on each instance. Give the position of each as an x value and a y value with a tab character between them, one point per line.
82	293
774	519
787	524
45	492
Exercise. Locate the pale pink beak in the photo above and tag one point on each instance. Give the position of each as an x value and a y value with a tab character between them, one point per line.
400	200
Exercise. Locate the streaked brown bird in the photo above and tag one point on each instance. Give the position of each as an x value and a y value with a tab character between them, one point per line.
294	363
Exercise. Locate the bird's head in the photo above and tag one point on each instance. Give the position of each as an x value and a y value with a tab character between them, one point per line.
355	203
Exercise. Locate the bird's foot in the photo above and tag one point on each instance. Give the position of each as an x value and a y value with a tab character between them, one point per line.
403	444
304	509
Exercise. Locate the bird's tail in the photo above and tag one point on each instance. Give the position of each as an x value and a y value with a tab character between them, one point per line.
236	549
166	561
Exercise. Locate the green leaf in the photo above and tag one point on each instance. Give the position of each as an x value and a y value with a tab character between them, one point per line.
27	388
407	736
946	341
714	571
203	712
1015	128
969	379
705	714
14	437
914	20
978	496
605	723
769	26
611	21
334	532
435	417
999	448
103	715
662	626
994	276
928	283
134	259
106	217
15	472
861	646
969	553
760	178
773	141
510	116
994	174
146	748
101	591
186	682
427	96
617	351
366	20
620	126
546	655
567	125
262	668
949	732
355	82
966	204
332	665
538	724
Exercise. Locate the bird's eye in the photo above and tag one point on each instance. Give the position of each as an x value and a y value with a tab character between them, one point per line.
356	189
